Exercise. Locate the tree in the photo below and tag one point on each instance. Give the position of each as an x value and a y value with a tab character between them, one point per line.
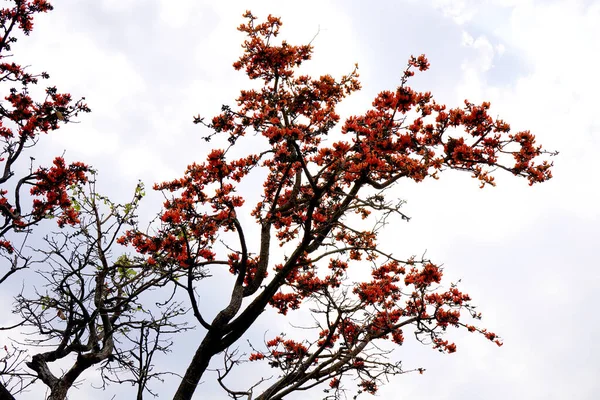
95	309
317	179
325	201
22	120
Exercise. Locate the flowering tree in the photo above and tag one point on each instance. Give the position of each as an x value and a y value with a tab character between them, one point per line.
24	116
22	120
317	178
324	201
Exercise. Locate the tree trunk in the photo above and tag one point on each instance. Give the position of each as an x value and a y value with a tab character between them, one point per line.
5	394
206	350
140	391
59	392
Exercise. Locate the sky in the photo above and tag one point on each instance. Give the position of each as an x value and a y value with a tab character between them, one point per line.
527	255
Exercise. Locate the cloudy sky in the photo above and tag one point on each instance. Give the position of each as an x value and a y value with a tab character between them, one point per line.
527	255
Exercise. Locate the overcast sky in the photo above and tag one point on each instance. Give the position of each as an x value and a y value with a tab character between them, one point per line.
527	255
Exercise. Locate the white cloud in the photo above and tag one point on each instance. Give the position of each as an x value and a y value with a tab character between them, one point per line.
500	49
475	67
461	11
177	15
